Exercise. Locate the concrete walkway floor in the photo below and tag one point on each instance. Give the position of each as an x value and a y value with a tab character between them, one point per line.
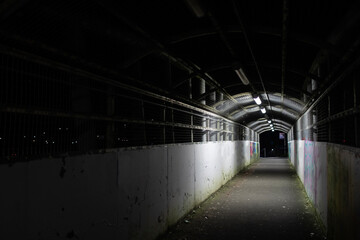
266	201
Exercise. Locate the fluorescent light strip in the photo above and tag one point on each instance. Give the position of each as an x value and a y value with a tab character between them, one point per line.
242	76
257	100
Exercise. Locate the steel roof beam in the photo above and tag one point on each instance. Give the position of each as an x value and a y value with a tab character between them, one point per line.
298	37
348	22
186	65
284	46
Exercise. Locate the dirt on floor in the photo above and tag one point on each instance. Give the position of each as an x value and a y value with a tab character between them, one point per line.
265	201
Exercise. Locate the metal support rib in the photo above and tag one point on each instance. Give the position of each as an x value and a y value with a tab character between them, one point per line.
164	52
284	46
348	22
225	41
251	50
350	67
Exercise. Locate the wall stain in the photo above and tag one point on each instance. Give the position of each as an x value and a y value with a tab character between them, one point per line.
340	195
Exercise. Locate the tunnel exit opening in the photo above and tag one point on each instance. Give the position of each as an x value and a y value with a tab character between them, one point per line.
273	144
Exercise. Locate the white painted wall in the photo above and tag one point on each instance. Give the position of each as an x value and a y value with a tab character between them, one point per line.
300	159
121	194
292	152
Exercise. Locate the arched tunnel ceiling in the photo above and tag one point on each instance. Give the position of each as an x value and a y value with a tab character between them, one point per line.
190	49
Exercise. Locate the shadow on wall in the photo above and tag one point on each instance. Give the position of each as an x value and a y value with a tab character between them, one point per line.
331	177
122	194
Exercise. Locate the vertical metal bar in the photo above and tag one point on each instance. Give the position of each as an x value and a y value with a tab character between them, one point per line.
207	125
225	134
144	125
164	128
21	103
192	130
45	92
110	126
284	46
329	114
62	85
222	130
204	119
191	116
172	121
344	120
355	117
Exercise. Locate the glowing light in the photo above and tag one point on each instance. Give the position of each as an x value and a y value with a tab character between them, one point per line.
263	110
257	100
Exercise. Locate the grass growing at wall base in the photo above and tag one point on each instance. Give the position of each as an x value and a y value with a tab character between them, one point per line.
309	204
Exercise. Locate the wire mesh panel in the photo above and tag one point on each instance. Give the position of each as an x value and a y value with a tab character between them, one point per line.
334	118
54	110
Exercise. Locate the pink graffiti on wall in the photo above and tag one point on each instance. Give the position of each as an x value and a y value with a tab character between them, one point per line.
253	149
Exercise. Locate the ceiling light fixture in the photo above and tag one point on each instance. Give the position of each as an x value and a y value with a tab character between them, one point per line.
263	110
242	76
269	121
257	100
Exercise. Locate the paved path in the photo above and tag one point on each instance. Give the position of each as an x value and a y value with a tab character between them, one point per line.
267	201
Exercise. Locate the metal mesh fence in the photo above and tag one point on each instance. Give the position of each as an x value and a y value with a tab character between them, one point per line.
49	110
335	118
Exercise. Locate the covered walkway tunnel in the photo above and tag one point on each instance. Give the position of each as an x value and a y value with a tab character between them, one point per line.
118	118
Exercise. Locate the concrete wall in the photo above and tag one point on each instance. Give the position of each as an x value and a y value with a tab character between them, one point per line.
331	176
121	194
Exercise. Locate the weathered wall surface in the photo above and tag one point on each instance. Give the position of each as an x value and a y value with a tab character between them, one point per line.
331	177
122	194
343	192
254	151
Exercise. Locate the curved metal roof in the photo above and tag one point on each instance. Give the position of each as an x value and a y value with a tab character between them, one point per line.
189	50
